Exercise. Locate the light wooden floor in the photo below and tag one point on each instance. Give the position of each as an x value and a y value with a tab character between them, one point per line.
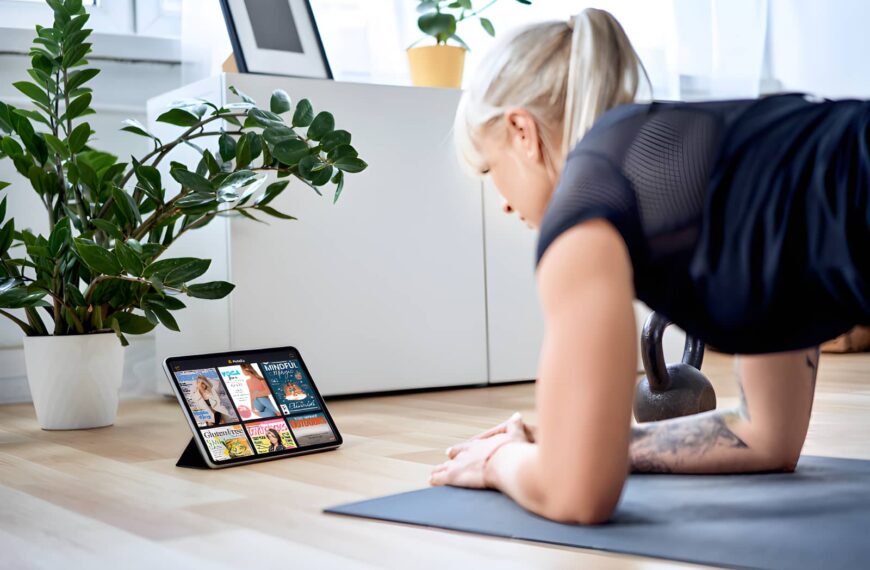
113	497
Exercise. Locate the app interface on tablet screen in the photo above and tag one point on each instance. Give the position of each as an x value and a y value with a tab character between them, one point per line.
253	404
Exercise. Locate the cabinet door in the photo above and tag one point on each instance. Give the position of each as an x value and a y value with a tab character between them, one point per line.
383	290
514	319
516	324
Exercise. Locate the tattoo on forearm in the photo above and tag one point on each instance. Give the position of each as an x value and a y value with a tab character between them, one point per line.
661	447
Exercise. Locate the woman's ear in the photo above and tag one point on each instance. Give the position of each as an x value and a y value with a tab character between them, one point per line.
523	133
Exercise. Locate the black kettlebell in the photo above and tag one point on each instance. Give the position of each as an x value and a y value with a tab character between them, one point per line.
670	390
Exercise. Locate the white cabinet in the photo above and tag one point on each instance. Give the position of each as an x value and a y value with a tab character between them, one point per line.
414	279
383	290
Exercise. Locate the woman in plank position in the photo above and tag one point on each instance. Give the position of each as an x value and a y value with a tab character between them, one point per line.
744	222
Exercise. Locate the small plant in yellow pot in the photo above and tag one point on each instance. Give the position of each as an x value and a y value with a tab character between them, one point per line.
441	65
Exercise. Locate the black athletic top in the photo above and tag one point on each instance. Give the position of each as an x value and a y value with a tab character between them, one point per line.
746	221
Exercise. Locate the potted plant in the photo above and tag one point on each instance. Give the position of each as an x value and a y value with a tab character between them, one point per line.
100	273
441	65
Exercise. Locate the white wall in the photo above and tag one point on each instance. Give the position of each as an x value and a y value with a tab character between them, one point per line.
120	92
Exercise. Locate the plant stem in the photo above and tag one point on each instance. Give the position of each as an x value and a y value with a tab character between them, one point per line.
80	205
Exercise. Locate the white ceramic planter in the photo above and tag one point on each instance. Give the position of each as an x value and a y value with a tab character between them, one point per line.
74	380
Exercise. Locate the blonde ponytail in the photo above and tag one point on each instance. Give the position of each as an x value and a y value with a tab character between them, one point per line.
565	74
604	72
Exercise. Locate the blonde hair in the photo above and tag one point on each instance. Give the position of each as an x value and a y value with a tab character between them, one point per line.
565	74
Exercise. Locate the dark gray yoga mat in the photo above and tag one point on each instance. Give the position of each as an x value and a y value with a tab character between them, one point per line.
816	517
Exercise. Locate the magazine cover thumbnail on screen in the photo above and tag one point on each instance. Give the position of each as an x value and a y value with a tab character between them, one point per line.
243	409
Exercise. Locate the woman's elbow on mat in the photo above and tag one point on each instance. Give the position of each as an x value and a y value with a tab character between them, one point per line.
580	506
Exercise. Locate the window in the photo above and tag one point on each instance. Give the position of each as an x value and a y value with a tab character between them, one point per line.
156	18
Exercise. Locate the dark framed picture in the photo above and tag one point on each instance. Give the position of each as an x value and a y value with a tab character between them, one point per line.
275	37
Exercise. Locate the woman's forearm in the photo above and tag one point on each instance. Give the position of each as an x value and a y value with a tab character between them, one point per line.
513	471
719	441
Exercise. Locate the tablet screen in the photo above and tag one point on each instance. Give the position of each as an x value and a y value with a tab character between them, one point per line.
250	404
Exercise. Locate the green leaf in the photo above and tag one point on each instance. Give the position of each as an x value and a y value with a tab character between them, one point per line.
33	91
78	106
244	155
226	147
264	118
78	138
304	114
272	191
108	228
278	134
437	24
162	267
229	187
78	78
274	213
167	302
11	147
152	318
59	237
460	41
211	163
334	139
7	232
96	258
125	205
427	6
42	78
211	290
20	297
72	294
75	54
32	115
197	204
116	326
486	24
178	117
129	259
241	95
149	181
350	164
291	151
322	124
186	272
280	101
56	145
342	151
76	24
338	179
132	324
135	127
192	180
166	318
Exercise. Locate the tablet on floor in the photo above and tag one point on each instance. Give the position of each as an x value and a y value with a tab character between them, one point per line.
250	406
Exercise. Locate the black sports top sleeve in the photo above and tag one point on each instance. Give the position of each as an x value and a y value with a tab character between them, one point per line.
590	187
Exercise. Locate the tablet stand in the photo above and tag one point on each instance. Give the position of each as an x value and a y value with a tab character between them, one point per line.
191	457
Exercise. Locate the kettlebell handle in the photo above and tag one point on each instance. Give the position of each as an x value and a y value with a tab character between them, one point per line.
652	352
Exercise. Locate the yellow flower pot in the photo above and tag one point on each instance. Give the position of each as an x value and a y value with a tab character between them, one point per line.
436	66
